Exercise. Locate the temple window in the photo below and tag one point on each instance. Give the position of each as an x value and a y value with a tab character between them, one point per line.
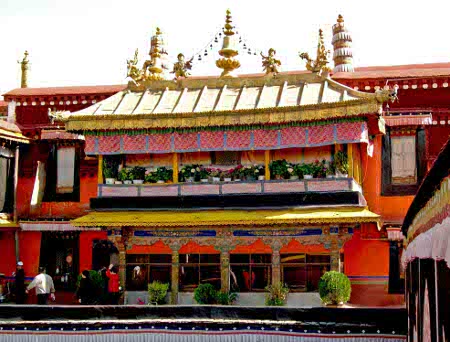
250	272
143	269
62	181
404	161
302	272
196	269
225	158
6	179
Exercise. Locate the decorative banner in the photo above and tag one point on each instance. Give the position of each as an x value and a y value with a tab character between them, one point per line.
258	139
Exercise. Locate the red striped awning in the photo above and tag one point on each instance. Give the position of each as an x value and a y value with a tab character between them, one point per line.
408	120
52	226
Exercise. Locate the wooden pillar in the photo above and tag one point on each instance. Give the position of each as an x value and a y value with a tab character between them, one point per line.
174	275
175	167
16	184
350	160
266	164
225	270
100	169
335	258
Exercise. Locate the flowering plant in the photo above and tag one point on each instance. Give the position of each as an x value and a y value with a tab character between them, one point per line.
204	172
215	172
190	171
331	170
319	168
278	168
163	173
238	172
226	173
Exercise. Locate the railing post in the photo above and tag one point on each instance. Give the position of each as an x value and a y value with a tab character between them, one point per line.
350	160
100	169
175	167
266	164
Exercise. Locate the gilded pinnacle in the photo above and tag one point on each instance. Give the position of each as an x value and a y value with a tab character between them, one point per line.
340	19
228	31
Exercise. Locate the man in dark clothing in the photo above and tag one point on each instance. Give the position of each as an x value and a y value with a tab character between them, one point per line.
20	283
86	291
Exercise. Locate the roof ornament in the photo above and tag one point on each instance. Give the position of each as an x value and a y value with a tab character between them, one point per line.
387	94
152	70
320	64
342	46
24	66
270	63
181	68
228	63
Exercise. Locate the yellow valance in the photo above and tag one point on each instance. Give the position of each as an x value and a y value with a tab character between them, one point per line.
226	217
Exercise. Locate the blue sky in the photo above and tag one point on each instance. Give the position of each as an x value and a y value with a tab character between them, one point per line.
87	42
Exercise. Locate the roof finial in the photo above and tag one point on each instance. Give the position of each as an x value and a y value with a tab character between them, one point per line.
342	45
24	66
320	63
153	68
228	64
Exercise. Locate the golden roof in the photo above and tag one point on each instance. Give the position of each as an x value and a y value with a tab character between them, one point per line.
197	102
226	217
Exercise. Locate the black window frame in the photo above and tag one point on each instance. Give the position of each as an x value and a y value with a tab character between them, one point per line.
251	264
387	187
198	264
51	168
306	265
148	264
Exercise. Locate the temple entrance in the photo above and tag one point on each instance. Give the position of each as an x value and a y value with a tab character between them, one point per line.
104	253
60	256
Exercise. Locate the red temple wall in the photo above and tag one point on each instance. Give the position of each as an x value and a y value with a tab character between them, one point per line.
29	251
8	254
88	189
85	246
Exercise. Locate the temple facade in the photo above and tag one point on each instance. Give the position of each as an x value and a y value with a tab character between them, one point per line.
238	181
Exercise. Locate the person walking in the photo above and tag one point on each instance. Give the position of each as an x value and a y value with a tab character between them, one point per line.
113	285
86	290
19	277
44	287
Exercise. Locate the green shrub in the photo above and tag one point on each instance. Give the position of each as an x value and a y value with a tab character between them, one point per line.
137	173
95	277
277	294
205	294
341	160
157	292
334	288
225	298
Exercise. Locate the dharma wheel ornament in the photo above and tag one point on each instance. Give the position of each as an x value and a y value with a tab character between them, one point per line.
320	64
228	63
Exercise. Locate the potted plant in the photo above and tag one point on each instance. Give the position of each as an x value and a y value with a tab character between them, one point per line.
138	174
260	170
190	173
319	169
278	169
163	174
334	288
226	175
238	173
205	294
157	293
341	160
298	170
215	174
204	174
124	176
307	170
109	170
291	171
331	169
150	177
277	294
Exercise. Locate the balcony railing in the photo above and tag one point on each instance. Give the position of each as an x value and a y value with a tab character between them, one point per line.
223	188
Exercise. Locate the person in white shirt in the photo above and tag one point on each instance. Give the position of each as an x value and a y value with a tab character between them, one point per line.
44	286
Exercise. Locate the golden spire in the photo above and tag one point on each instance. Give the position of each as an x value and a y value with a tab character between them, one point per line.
342	46
228	64
153	68
24	67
